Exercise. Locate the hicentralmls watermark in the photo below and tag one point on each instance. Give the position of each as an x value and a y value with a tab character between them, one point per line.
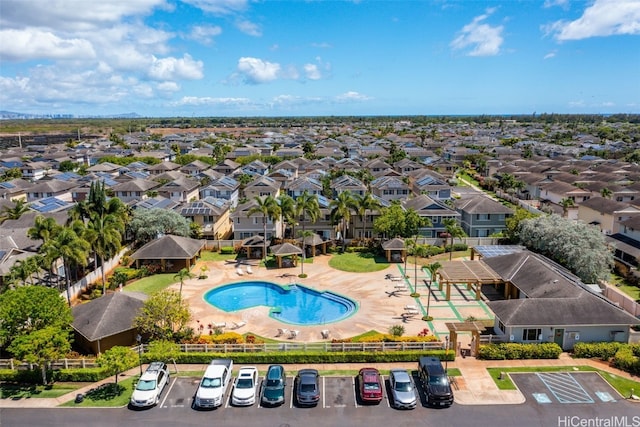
613	421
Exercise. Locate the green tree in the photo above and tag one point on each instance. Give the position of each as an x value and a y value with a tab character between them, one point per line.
30	308
183	275
163	315
304	234
148	224
67	166
287	212
364	204
606	193
71	248
14	212
44	228
341	208
391	222
566	203
513	223
25	269
268	208
41	347
454	231
104	233
307	206
117	360
433	270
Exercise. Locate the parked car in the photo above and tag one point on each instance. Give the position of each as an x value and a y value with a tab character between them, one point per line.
370	385
435	381
150	385
308	387
403	392
214	384
244	390
274	384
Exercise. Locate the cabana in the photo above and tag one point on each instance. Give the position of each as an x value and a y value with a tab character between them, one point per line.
170	253
312	243
286	250
395	250
472	273
254	246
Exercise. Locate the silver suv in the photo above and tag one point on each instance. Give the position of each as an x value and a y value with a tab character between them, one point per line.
150	385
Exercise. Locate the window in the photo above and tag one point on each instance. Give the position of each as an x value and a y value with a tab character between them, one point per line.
531	334
501	326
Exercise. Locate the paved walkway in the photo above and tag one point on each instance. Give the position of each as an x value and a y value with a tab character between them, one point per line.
474	387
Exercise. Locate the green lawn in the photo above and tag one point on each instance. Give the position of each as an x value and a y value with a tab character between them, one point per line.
621	283
109	395
358	262
152	284
216	256
14	391
622	385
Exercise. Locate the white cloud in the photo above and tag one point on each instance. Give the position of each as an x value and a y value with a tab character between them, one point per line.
249	28
204	33
219	7
168	87
484	39
256	71
602	18
322	45
312	72
16	45
550	55
176	68
206	100
352	96
551	3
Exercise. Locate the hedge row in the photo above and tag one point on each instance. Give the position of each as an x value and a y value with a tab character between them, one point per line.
519	351
287	357
601	350
26	376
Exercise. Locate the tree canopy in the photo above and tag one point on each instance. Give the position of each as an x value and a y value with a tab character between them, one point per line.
579	247
41	346
164	314
394	221
148	224
117	359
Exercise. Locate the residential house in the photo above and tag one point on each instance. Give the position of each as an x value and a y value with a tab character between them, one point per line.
303	183
481	216
390	188
225	188
134	190
54	188
245	225
626	244
105	167
434	210
163	167
16	189
256	167
226	167
34	170
262	186
194	168
182	189
606	214
212	215
425	181
348	183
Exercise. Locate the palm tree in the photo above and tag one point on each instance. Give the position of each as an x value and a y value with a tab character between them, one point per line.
364	204
105	235
566	203
433	269
269	209
43	229
287	211
454	231
341	208
307	204
183	275
73	250
303	237
606	193
14	212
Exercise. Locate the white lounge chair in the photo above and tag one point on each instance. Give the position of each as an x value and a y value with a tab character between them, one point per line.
324	333
239	271
238	325
249	270
294	334
220	325
411	307
282	332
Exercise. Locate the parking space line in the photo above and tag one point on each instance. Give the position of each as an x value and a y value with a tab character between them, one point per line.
384	391
291	392
166	395
353	387
324	395
565	388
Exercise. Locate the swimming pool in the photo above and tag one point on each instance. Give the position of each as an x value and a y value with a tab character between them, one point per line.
294	304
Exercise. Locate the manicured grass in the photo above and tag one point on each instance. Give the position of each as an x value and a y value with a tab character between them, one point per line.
454	372
358	262
14	391
152	284
108	395
621	284
216	256
622	385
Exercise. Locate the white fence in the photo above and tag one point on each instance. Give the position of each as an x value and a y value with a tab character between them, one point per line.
302	346
57	364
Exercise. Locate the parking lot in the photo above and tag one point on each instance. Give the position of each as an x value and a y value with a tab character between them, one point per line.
565	388
335	393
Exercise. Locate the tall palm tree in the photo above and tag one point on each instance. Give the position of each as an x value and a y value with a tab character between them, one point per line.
303	236
269	209
73	250
104	233
15	211
307	204
433	269
183	275
364	204
454	231
43	229
287	211
341	208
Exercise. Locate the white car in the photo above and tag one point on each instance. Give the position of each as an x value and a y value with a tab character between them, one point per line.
150	385
245	387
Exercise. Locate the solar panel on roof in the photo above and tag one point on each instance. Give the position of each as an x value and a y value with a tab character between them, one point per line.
489	251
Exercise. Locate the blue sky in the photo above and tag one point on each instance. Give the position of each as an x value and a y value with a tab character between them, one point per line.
307	58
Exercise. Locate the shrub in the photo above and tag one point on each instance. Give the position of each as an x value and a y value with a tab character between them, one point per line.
519	351
22	376
80	374
601	350
627	360
227	250
396	330
434	250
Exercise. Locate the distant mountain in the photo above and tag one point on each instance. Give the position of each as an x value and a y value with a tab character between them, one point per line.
11	115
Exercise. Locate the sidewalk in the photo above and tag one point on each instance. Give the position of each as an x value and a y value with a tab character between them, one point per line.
474	387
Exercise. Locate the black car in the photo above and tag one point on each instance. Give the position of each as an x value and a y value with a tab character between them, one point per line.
435	382
308	387
273	387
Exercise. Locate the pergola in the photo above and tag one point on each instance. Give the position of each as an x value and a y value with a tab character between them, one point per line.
283	250
314	241
394	250
472	273
474	327
254	246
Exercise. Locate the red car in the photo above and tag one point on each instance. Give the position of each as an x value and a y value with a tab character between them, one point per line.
370	384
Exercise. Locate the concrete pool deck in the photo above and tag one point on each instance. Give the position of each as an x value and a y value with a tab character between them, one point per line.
381	305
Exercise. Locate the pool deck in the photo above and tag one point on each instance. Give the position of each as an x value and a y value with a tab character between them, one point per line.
381	305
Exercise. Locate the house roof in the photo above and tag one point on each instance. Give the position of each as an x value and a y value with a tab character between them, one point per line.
169	247
285	249
108	315
481	204
583	309
394	244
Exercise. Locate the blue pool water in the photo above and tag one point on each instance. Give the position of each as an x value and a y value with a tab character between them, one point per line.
293	304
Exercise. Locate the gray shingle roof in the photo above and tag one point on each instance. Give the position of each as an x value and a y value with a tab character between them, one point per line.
108	315
169	247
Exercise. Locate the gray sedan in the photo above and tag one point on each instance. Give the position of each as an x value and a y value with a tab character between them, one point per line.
403	392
